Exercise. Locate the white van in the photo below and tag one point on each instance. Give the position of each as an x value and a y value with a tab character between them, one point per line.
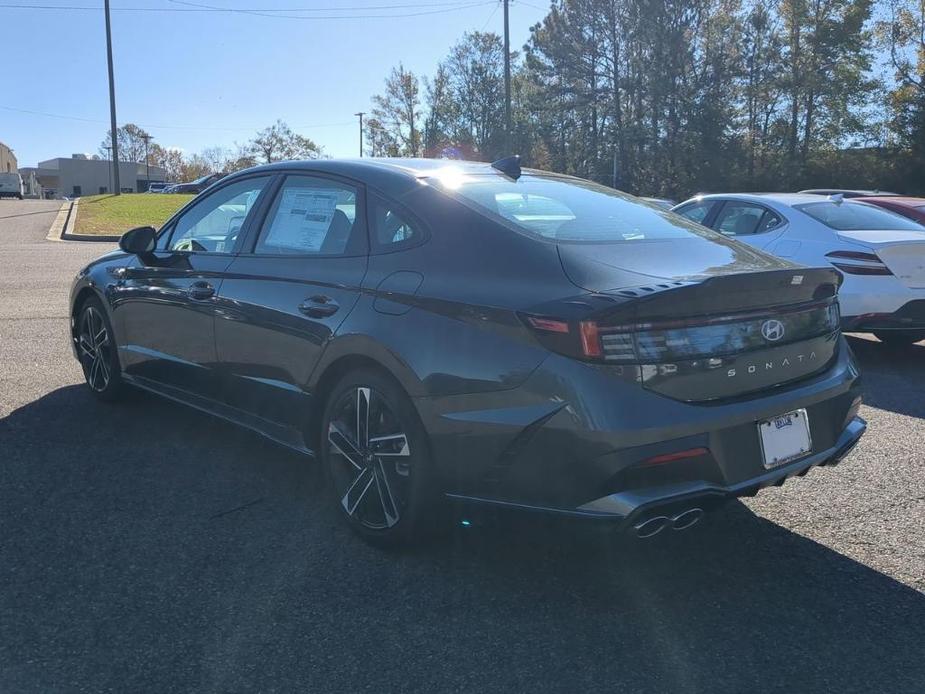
10	185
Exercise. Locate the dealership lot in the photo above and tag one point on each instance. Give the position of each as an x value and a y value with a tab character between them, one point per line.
148	547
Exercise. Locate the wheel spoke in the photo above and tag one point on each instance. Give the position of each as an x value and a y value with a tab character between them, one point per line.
389	446
94	372
86	346
343	445
389	508
363	395
357	490
101	338
104	369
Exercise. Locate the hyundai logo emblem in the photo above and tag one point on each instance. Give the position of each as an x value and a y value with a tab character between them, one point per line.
772	330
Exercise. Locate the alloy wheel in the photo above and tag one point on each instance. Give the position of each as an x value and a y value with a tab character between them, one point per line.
95	349
370	458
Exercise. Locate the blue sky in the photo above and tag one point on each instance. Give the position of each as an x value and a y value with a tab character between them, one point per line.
197	79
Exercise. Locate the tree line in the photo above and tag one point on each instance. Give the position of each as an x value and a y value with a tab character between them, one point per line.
671	97
277	142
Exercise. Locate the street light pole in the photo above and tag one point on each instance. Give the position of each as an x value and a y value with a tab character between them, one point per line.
361	114
112	103
507	81
108	149
146	138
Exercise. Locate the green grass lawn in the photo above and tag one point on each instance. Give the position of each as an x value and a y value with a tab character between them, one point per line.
111	214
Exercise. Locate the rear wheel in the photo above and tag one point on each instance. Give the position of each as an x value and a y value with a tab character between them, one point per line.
375	450
96	349
900	337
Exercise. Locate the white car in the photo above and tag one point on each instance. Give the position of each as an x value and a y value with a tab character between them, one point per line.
880	255
11	185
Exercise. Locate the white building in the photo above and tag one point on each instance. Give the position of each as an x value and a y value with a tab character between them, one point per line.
7	159
81	175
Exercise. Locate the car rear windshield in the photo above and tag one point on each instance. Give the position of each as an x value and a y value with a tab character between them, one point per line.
855	216
572	210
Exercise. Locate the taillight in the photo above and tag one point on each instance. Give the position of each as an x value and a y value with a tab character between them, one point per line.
590	339
858	263
703	337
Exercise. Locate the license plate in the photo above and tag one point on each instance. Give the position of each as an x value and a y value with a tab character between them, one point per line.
785	438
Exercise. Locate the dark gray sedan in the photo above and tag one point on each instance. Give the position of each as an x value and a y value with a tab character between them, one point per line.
443	331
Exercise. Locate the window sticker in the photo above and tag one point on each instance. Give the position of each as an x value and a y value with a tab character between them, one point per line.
303	219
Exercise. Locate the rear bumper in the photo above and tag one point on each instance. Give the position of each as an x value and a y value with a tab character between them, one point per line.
575	440
909	316
632	507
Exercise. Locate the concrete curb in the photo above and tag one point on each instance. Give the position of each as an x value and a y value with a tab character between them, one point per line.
57	226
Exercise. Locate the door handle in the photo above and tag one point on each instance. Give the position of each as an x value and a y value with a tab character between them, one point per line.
200	291
319	306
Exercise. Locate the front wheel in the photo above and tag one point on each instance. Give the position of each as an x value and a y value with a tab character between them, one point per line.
96	349
900	337
376	453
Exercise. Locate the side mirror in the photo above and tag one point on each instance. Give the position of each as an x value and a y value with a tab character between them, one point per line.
139	240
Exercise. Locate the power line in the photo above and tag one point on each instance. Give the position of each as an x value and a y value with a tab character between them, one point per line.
275	13
151	126
494	10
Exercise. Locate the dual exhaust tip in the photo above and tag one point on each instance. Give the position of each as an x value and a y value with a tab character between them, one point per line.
654	525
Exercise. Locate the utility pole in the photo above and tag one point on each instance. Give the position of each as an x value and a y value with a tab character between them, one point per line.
146	139
507	81
112	104
108	149
361	114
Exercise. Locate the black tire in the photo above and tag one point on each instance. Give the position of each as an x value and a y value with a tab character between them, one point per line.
386	497
899	338
97	353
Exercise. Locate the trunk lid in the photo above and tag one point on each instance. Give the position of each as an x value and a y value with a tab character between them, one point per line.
709	323
604	267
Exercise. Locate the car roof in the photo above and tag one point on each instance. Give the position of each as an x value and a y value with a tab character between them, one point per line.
790	199
898	199
392	175
851	191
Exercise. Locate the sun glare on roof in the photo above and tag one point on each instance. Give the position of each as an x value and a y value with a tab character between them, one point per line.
451	177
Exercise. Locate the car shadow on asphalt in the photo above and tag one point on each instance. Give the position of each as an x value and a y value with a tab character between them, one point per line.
150	547
893	377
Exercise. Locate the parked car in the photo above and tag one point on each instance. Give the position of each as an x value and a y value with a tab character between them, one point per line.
913	208
157	187
197	186
475	334
11	185
848	193
664	203
880	255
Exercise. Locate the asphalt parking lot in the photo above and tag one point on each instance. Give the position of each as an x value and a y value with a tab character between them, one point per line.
146	547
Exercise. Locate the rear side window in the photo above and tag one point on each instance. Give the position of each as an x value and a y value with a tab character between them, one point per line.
696	211
854	216
744	219
568	210
311	216
392	228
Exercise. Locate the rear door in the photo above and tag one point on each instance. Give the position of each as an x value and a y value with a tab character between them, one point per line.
167	299
287	293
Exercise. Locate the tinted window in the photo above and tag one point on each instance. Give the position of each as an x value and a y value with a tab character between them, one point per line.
696	211
392	228
769	222
739	219
568	210
848	216
310	216
212	225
